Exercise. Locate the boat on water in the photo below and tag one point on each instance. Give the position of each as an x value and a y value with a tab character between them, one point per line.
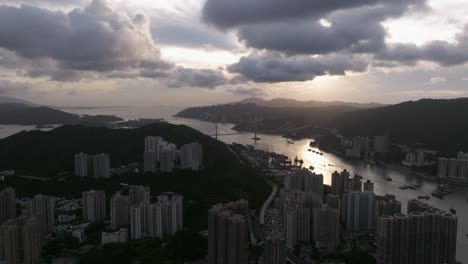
452	210
310	150
415	186
320	153
43	126
290	142
438	194
425	197
388	179
444	189
404	187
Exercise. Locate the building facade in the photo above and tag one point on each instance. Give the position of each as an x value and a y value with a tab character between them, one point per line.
360	211
119	211
417	238
7	204
326	228
43	207
101	166
94	205
227	234
191	156
81	164
275	250
454	169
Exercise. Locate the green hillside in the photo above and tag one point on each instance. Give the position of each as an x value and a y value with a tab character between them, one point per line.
45	154
435	123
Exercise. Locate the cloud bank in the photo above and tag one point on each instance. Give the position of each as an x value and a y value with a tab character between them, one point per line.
300	40
92	42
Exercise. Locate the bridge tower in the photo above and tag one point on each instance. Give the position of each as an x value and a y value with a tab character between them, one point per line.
255	138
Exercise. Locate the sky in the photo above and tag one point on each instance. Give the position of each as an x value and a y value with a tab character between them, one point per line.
198	52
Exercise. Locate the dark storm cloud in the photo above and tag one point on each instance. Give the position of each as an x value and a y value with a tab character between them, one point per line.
313	38
244	91
273	67
356	30
304	39
95	38
89	43
179	77
40	67
440	52
46	2
229	13
203	78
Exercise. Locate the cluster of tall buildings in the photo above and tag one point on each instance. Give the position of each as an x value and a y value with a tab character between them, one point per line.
326	228
360	210
454	169
275	249
228	232
7	204
353	198
191	156
164	156
146	219
364	146
388	207
97	166
43	207
417	159
424	235
306	181
342	182
22	238
305	217
94	205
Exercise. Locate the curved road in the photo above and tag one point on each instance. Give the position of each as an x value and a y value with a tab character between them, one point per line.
267	203
235	154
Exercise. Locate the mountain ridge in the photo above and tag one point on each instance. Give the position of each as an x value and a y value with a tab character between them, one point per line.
435	123
16	113
12	100
285	102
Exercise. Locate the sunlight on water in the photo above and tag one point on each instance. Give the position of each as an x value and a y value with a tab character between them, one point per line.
324	164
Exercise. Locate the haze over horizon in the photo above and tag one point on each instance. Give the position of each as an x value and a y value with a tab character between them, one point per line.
233	131
190	52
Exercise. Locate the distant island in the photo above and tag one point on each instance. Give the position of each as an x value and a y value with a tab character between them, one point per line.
20	112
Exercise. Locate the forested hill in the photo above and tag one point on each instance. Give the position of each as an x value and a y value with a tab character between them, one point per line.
441	124
437	123
284	102
47	153
245	113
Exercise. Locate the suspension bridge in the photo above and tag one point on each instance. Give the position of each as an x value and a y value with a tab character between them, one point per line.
256	131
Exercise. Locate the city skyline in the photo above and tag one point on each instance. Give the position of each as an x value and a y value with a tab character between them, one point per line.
185	48
233	131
